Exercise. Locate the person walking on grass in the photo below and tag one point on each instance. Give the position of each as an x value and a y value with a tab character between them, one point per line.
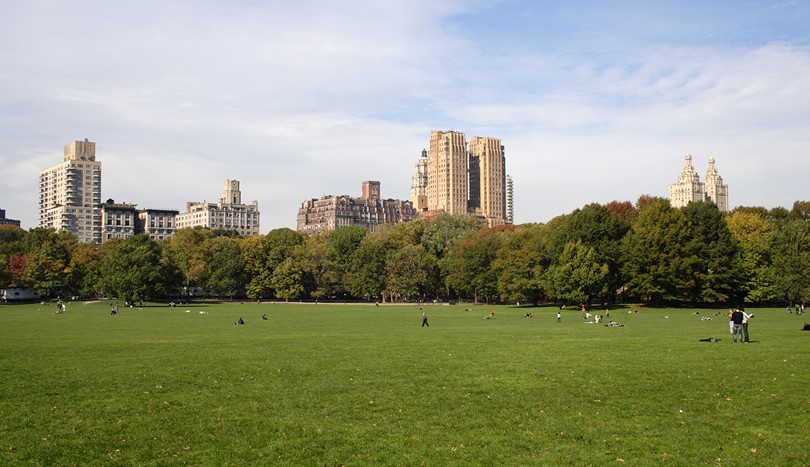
559	315
424	320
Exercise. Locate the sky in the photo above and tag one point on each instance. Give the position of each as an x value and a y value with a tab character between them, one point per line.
297	99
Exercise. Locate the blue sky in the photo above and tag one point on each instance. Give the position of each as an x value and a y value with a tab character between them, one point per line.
594	101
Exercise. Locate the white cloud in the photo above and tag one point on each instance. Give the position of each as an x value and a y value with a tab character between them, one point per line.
301	99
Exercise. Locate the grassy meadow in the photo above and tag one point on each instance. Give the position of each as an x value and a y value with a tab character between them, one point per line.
365	385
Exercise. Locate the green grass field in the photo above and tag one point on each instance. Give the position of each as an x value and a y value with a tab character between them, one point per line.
364	385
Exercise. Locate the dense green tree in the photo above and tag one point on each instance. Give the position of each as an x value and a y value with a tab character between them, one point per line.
224	267
410	273
713	256
49	256
577	276
801	210
365	273
442	233
132	269
262	255
471	273
186	251
521	264
657	261
257	273
598	227
290	280
791	261
753	210
322	266
345	240
779	214
754	234
84	273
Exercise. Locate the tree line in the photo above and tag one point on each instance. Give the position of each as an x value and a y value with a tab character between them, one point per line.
618	252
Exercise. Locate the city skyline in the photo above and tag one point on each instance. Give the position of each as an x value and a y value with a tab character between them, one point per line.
594	102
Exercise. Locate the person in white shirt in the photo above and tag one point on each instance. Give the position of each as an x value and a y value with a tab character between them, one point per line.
746	317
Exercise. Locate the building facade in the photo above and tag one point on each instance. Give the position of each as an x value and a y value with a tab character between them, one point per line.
118	220
121	220
689	188
459	180
448	177
5	221
488	180
70	193
228	214
159	224
369	211
419	183
510	207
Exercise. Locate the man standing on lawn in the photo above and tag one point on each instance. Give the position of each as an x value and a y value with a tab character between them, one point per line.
424	320
746	317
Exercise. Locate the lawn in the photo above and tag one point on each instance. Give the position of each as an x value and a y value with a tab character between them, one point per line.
365	385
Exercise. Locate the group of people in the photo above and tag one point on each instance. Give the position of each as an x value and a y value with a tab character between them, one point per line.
738	324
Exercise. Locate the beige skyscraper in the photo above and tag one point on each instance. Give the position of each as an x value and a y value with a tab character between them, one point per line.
448	182
70	193
488	180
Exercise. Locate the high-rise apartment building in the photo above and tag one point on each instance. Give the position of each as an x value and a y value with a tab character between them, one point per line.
487	180
70	193
462	181
510	207
448	181
229	213
689	188
419	183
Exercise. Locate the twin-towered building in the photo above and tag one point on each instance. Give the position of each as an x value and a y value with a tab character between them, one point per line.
70	199
459	179
689	188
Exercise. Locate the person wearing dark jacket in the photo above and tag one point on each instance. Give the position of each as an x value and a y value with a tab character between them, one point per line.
737	328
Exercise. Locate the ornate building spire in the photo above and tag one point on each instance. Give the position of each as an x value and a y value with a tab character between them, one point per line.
688	173
688	187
